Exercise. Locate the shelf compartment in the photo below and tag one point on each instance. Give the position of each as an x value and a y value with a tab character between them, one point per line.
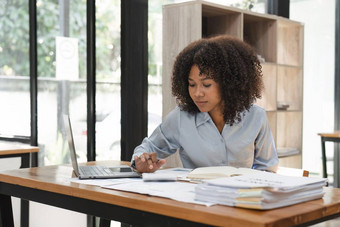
289	129
289	87
217	21
294	161
268	100
290	43
289	134
260	32
272	116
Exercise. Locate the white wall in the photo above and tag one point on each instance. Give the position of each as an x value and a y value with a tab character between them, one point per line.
318	109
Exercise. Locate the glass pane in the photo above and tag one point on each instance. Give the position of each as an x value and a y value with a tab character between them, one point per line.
61	78
108	80
155	63
154	107
14	69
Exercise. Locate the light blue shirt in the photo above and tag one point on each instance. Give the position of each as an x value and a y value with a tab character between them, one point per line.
248	143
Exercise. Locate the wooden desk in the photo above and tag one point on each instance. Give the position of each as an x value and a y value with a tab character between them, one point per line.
50	185
10	150
332	137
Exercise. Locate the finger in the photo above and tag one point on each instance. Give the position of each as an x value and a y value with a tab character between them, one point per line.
150	163
157	165
153	157
146	156
143	157
160	162
147	160
142	166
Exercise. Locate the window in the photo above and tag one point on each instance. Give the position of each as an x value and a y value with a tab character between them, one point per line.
14	69
108	75
61	77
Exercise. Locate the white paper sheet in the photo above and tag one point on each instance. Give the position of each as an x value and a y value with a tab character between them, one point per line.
103	182
180	191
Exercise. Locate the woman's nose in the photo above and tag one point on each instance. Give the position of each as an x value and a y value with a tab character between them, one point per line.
199	92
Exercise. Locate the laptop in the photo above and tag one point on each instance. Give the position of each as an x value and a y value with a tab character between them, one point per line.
94	172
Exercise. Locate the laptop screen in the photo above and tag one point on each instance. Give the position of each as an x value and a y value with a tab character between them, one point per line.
68	130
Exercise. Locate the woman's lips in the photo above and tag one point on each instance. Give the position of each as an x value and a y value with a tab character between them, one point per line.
201	103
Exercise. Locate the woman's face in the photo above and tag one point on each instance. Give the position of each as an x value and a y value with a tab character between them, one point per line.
204	91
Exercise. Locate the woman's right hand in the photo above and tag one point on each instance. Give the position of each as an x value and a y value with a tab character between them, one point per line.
148	162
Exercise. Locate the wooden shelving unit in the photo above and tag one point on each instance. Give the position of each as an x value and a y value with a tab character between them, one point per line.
279	41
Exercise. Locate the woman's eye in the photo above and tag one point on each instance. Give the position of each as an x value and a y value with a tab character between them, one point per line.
191	85
206	85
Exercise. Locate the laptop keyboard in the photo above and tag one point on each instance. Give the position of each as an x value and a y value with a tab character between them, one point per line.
93	171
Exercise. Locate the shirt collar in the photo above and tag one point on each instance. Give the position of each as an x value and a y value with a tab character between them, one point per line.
203	117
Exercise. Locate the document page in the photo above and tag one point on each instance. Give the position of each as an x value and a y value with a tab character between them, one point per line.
180	191
158	186
267	180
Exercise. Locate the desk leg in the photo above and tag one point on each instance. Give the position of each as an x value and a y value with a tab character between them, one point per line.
24	211
104	222
24	204
324	163
6	212
336	178
91	221
25	160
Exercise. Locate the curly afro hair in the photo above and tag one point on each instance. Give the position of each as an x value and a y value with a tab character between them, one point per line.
231	63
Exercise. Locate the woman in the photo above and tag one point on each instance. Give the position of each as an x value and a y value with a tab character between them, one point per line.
215	82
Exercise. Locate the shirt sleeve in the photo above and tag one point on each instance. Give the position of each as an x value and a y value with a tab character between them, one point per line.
265	152
165	138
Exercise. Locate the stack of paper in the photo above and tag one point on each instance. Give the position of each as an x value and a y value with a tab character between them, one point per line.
262	190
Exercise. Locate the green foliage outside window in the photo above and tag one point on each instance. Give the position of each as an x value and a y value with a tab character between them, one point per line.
14	37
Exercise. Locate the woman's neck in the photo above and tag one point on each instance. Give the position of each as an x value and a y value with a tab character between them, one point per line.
218	120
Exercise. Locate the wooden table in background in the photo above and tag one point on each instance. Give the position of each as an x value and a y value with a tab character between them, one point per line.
51	185
10	150
23	151
329	137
